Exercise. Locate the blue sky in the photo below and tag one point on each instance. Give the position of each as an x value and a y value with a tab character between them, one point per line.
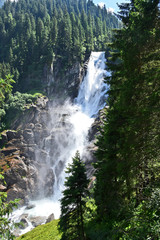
111	3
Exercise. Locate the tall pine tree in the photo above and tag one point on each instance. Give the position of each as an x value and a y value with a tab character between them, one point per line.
73	204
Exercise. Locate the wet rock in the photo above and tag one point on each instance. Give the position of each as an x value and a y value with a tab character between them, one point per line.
15	192
89	158
9	150
49	182
17	232
32	171
24	215
36	221
16	172
38	126
3	188
59	168
11	134
30	126
38	135
23	223
94	129
43	156
50	218
30	206
31	152
11	143
28	135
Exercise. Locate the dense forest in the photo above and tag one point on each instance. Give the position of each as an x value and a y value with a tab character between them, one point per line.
37	32
124	203
127	191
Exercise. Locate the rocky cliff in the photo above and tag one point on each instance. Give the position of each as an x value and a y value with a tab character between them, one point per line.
18	156
62	83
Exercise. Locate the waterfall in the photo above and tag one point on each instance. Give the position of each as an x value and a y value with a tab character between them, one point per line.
92	93
69	126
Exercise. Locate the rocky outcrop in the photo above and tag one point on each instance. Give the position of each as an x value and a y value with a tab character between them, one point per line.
63	83
36	221
50	218
18	157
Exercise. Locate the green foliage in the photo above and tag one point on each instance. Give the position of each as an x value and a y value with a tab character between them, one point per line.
35	33
21	101
18	103
5	93
128	146
71	222
6	208
145	224
5	88
47	231
90	210
13	104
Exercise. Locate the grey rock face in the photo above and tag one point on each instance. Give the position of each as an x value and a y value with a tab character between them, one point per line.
24	223
18	158
50	218
36	221
64	84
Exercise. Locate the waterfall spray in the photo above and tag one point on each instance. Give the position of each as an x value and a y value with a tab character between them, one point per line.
69	128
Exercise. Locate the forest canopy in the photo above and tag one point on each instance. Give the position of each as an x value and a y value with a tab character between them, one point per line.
37	32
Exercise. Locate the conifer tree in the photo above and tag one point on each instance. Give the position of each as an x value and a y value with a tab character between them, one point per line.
128	155
72	202
35	30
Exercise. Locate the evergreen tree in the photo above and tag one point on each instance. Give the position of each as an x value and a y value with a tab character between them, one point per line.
73	203
128	148
34	31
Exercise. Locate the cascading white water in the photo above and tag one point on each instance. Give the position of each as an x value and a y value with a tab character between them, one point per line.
68	133
92	93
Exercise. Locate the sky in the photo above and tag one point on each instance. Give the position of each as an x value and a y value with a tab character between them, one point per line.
111	4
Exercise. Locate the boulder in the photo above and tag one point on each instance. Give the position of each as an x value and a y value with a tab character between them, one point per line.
23	223
30	206
36	221
17	232
50	218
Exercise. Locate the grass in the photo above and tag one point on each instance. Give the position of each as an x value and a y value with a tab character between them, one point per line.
47	231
